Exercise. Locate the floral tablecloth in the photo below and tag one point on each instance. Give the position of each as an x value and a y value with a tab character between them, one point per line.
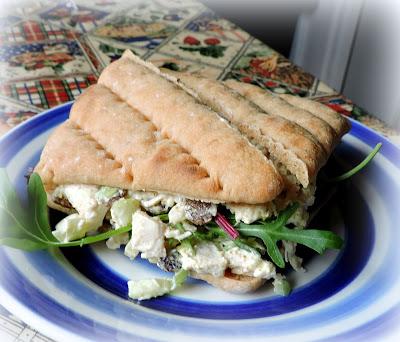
50	51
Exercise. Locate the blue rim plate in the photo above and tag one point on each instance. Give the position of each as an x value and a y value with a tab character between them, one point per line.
81	293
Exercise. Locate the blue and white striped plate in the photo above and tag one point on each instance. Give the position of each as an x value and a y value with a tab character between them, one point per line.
81	293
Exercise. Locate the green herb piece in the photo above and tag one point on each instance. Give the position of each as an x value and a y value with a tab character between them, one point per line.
163	217
180	227
180	277
172	243
150	288
28	228
186	244
359	167
281	286
106	193
243	244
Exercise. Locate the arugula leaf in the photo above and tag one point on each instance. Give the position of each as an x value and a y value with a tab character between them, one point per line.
28	228
272	232
359	167
24	244
38	208
92	239
13	218
260	232
318	240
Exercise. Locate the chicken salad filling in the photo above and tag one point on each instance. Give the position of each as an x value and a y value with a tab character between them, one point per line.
176	233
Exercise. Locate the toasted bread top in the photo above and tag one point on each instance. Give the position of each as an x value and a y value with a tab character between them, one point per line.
284	140
107	142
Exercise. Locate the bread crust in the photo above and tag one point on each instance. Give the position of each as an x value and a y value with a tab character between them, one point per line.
285	141
237	167
238	284
107	142
274	105
339	123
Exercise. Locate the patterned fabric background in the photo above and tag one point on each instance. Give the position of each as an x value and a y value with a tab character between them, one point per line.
50	51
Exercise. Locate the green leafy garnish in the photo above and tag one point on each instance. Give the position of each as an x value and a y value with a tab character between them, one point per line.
359	167
270	232
28	228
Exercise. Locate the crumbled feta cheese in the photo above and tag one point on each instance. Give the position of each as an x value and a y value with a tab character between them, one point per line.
244	262
147	237
207	258
251	213
189	227
180	234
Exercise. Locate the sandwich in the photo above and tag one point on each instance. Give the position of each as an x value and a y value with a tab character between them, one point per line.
196	167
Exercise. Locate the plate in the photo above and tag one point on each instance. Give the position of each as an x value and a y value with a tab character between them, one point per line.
81	293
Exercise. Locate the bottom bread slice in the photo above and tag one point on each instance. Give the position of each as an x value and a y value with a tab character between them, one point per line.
230	282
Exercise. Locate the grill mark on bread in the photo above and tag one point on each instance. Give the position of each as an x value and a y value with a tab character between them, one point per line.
276	106
159	136
340	124
166	137
169	108
286	141
99	147
158	163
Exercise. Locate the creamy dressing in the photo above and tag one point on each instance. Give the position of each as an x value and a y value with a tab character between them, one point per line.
177	214
250	213
155	202
206	258
177	234
243	262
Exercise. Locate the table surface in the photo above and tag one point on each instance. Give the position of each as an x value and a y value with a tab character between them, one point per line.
50	51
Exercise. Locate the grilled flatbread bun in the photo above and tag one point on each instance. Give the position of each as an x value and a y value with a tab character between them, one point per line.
108	142
285	141
233	283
